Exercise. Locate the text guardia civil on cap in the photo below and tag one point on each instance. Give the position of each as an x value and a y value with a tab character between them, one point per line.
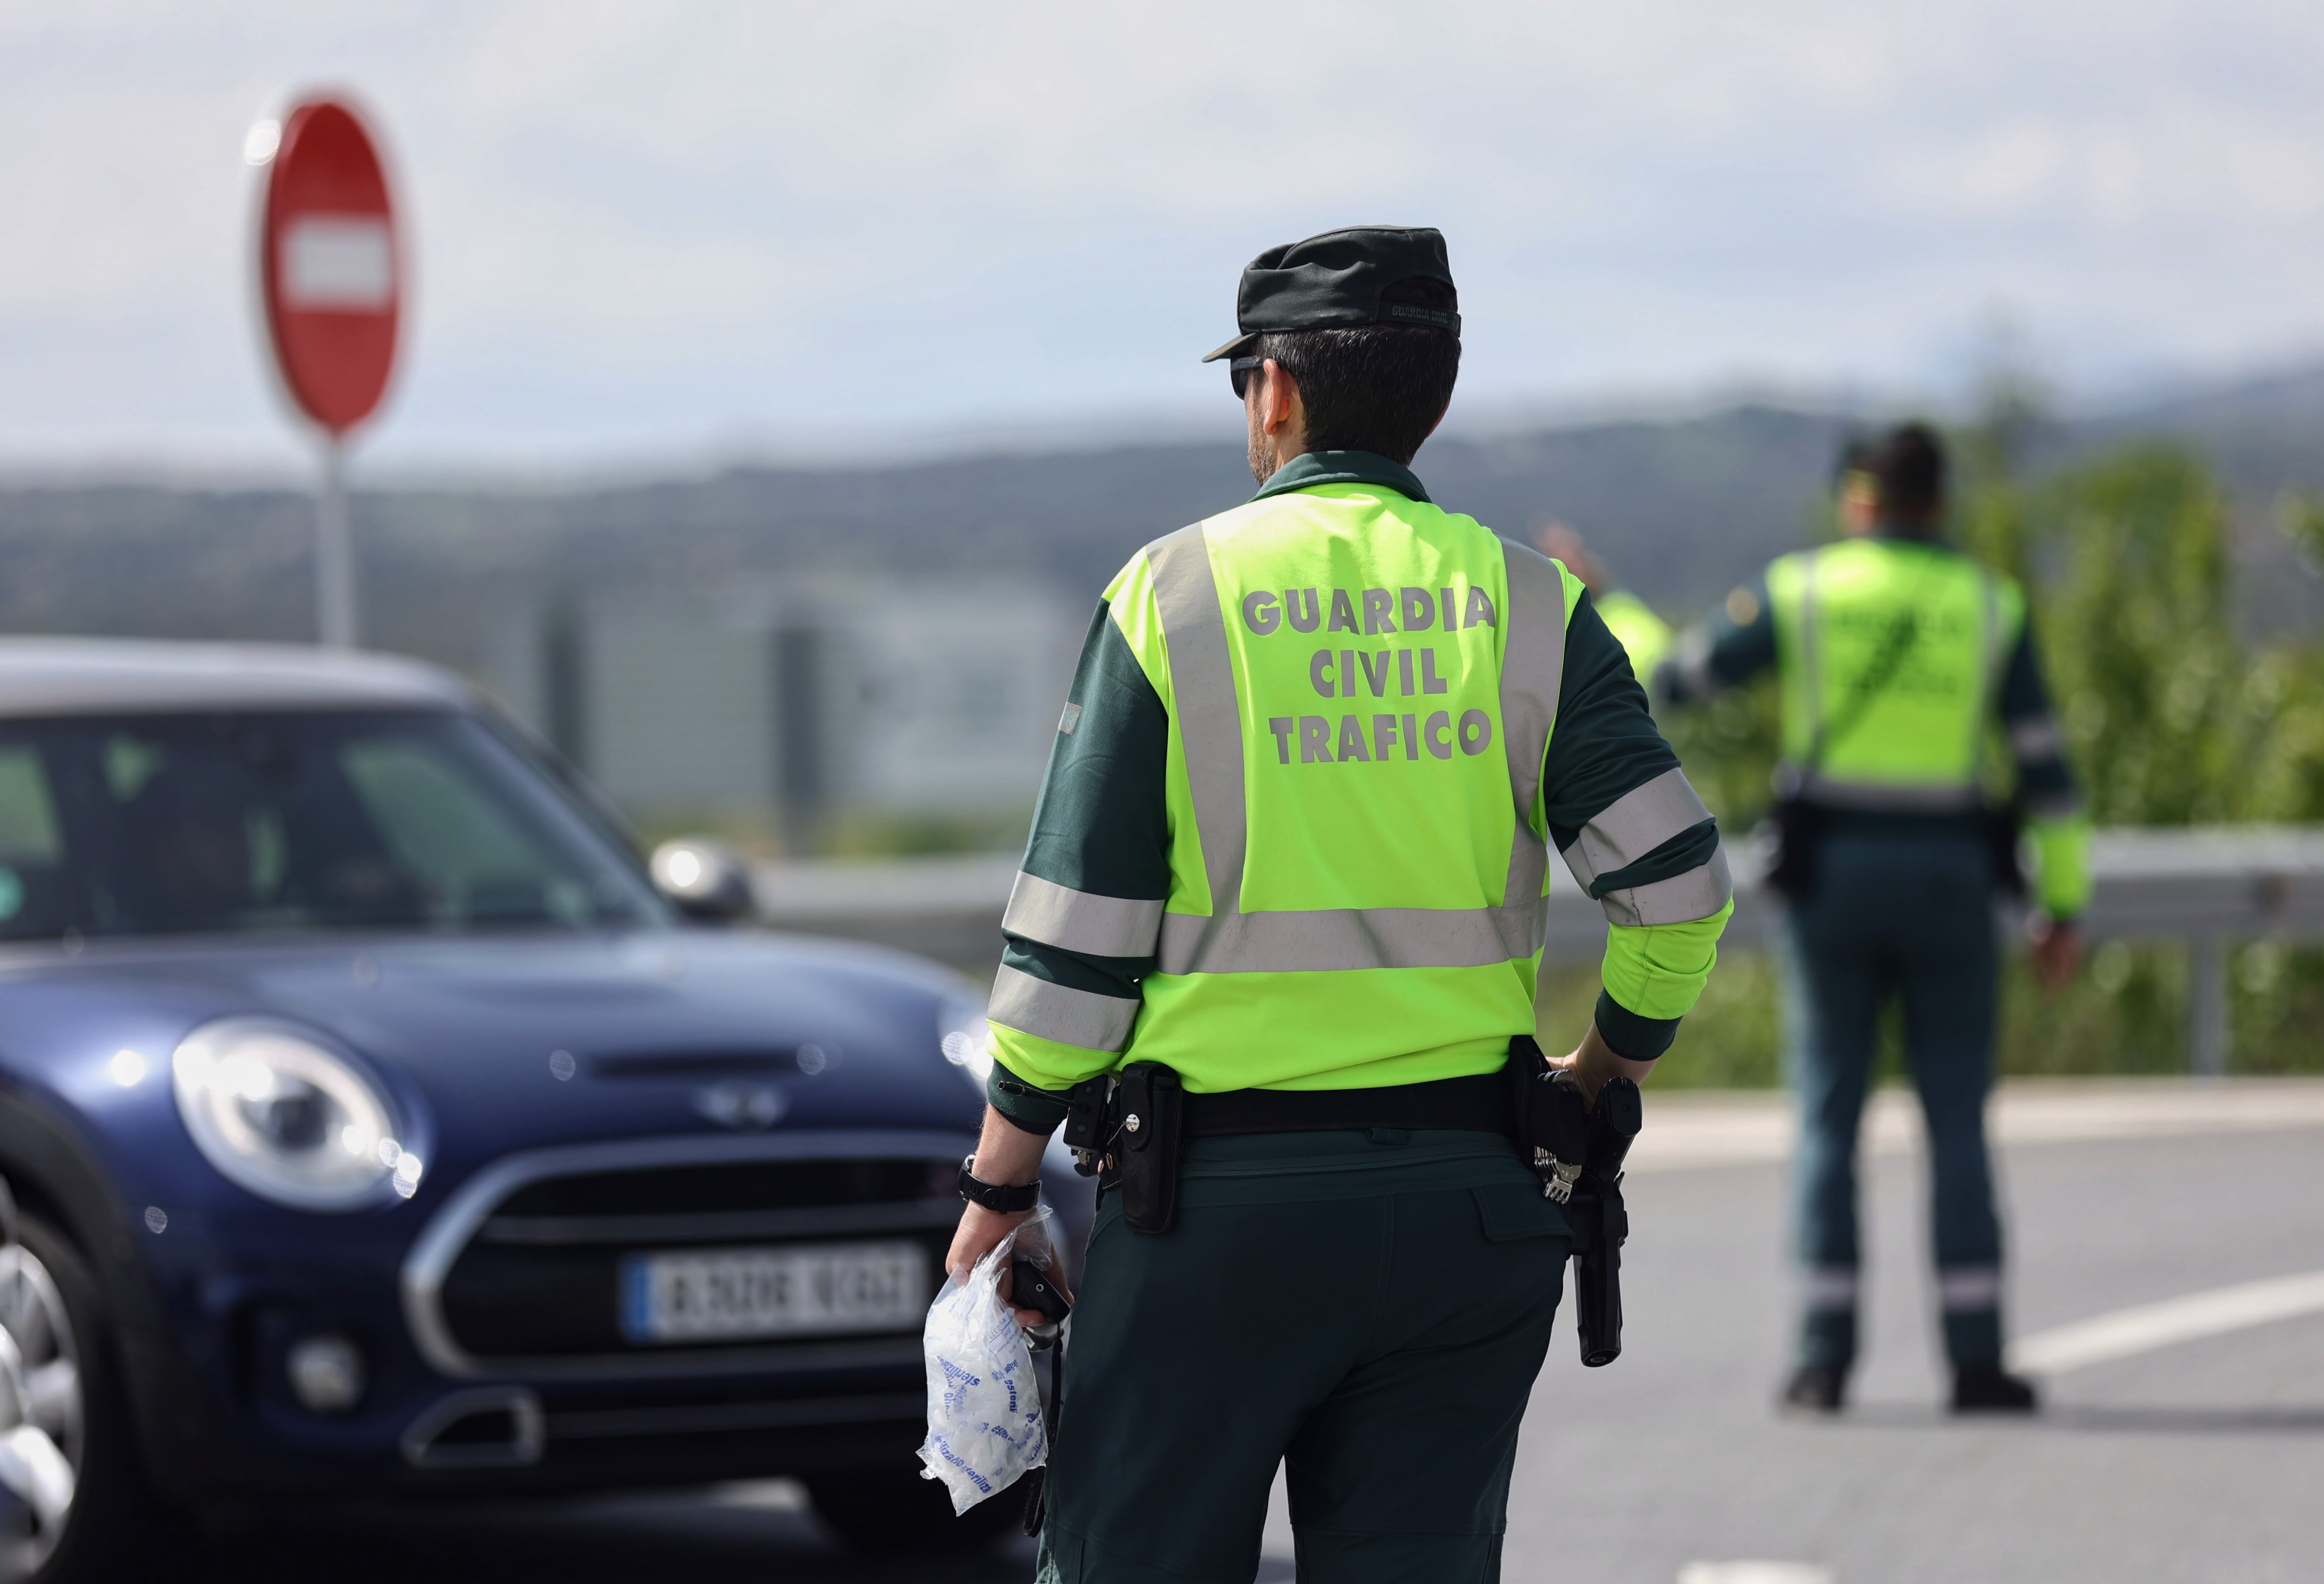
1336	281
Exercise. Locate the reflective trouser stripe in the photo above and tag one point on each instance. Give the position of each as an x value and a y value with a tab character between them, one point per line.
1059	1013
1969	1288
1327	940
1695	893
1210	730
1634	824
1082	921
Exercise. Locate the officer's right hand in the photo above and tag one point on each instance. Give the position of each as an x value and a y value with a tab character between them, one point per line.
1594	1061
2057	953
1004	1154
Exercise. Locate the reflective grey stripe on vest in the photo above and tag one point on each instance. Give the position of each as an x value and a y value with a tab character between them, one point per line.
1634	824
1210	730
1332	939
1209	719
1811	655
1060	1013
1081	921
1533	669
1989	676
1682	898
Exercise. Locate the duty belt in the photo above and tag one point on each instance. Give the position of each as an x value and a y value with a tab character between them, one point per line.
1128	1133
1478	1104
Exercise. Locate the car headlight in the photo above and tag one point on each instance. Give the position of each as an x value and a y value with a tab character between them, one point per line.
965	1039
284	1118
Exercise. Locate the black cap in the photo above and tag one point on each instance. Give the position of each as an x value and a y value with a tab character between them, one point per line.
1334	281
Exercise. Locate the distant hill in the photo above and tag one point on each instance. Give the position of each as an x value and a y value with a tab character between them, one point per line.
1682	508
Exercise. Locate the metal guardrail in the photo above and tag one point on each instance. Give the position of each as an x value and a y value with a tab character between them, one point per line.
2207	888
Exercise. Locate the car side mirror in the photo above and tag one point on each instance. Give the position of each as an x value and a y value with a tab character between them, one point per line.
703	879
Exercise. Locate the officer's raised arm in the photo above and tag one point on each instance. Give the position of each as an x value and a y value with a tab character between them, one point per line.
1734	645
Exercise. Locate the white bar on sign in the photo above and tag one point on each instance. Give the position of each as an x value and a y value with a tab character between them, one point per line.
339	262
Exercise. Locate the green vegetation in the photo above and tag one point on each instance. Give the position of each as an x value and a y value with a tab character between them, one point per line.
2173	716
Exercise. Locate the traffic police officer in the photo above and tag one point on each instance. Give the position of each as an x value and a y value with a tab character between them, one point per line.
1293	847
1896	654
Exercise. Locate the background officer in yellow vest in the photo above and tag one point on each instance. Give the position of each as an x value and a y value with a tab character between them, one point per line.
1899	656
1293	846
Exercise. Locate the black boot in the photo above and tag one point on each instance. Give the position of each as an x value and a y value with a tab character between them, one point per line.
1988	1388
1815	1388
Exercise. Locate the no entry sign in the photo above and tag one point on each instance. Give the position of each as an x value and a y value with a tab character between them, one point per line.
330	266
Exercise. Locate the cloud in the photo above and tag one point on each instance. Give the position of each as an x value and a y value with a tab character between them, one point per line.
667	225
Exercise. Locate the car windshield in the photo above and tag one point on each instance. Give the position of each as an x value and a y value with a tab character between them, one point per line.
425	819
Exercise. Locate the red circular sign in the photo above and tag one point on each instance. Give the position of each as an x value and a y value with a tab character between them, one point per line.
331	266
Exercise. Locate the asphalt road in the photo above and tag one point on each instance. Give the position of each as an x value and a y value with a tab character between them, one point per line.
2196	1461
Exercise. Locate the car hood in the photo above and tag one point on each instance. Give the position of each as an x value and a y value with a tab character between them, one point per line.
493	1044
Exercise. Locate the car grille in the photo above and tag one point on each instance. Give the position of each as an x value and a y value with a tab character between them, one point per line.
538	1279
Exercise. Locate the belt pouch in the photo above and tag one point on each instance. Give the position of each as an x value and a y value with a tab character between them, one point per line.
1152	1102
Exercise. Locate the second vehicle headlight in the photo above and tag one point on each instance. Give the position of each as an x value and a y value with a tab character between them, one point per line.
286	1119
964	1037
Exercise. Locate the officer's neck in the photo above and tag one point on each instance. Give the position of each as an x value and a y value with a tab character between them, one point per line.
1269	454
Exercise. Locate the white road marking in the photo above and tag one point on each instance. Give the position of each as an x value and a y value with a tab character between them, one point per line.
2127	1332
1754	1573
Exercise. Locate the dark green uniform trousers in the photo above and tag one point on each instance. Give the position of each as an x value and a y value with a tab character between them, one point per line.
1368	1309
1910	917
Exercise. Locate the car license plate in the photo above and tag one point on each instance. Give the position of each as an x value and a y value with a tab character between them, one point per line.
718	1294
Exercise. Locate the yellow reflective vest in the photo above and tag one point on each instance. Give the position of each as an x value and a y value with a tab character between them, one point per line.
1359	689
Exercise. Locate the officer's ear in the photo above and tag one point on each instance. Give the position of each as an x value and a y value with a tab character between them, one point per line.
1280	407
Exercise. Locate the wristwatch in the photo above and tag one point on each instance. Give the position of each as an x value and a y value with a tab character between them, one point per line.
1006	1198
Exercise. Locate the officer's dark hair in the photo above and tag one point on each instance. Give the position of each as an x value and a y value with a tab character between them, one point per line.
1907	465
1378	388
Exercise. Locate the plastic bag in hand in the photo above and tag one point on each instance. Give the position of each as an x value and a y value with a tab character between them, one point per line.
985	1413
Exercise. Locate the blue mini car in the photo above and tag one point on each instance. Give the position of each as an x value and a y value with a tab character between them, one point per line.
371	1121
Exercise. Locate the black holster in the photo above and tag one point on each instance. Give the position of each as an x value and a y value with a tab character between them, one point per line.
1578	1151
1601	1223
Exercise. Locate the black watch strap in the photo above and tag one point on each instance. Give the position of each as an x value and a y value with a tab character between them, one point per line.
1008	1200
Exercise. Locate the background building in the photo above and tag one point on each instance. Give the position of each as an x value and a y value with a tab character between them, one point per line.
805	714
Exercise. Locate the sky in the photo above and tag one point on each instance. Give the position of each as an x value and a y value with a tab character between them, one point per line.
656	235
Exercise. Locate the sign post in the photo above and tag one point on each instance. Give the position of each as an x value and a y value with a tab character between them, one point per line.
331	271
